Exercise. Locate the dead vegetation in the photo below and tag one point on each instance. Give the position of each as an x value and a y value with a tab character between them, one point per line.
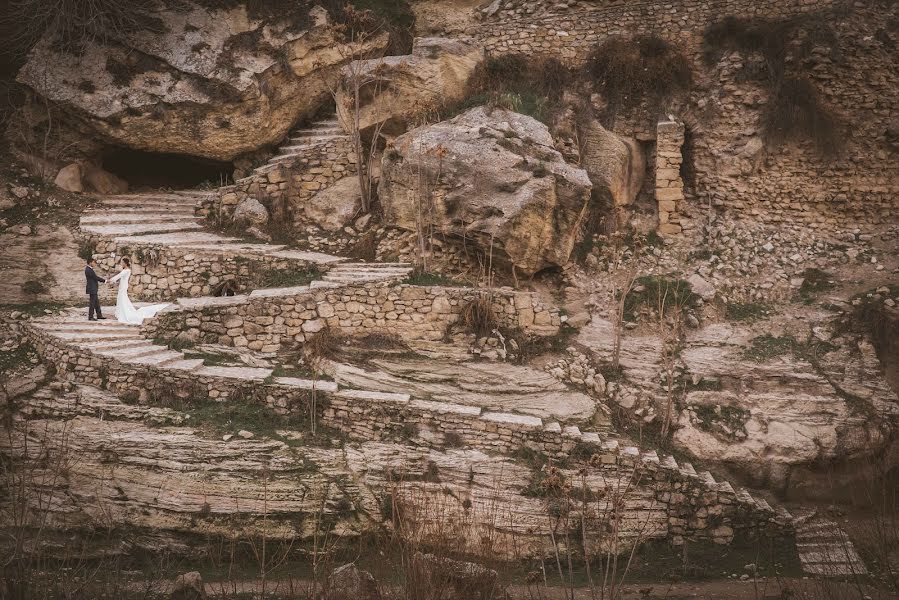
780	55
479	317
638	71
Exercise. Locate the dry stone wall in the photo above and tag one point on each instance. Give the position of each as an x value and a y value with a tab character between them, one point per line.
266	319
164	272
695	507
292	183
733	171
572	29
669	184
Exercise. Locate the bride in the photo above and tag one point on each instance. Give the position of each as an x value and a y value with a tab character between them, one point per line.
125	311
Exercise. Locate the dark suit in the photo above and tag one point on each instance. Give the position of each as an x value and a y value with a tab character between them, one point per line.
91	290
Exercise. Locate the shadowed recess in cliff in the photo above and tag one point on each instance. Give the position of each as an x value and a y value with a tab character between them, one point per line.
155	169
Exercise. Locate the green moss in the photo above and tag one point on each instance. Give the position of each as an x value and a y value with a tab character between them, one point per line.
278	278
765	347
746	311
733	417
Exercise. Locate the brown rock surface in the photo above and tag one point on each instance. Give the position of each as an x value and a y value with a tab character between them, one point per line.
492	178
214	82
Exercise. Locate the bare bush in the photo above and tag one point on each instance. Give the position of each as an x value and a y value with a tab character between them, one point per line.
632	71
71	25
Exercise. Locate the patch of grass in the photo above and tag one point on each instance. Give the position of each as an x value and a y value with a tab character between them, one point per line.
746	311
631	71
765	347
278	278
34	287
234	415
733	417
174	344
479	317
36	309
655	290
13	359
815	281
426	278
209	358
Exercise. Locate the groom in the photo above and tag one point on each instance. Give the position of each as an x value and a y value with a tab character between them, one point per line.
92	281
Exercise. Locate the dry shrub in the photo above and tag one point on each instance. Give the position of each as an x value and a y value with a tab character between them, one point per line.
530	85
794	110
366	247
321	345
479	317
631	71
73	24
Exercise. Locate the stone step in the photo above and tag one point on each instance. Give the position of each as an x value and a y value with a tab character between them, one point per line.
668	462
87	336
173	239
610	445
303	133
278	292
837	551
179	202
343	269
572	431
832	570
307	384
707	478
350	279
238	373
377	265
650	456
119	218
104	326
590	437
372	396
131	352
158	358
115	344
816	531
318	258
187	364
763	504
630	451
687	469
139	228
227	247
205	301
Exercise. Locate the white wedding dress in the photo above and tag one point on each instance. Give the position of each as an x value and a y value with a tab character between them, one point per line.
125	311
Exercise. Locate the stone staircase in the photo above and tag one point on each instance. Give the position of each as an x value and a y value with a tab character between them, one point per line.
299	142
825	548
364	272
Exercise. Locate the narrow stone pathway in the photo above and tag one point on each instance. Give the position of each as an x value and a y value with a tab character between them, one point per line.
300	141
825	548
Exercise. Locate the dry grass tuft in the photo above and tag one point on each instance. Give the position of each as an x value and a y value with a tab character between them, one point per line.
631	71
479	317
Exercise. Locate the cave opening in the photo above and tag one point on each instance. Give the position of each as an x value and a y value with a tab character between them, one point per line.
143	169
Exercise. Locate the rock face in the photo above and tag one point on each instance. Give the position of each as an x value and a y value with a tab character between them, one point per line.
213	82
395	89
69	178
493	179
615	164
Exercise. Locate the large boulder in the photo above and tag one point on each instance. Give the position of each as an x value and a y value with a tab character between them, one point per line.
206	80
615	164
335	206
349	582
250	211
394	90
493	179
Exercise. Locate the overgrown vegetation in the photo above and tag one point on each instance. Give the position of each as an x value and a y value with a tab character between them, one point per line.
635	71
658	290
815	281
776	54
746	311
765	347
290	277
479	317
530	85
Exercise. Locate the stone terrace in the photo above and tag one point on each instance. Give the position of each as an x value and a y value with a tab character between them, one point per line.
265	319
172	255
116	357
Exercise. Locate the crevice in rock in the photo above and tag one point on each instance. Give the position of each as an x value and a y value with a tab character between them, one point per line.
143	169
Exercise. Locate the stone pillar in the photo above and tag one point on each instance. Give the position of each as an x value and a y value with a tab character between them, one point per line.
669	185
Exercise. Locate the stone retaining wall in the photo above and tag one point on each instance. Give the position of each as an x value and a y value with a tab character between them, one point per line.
161	272
732	170
695	509
266	319
572	30
669	184
292	183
